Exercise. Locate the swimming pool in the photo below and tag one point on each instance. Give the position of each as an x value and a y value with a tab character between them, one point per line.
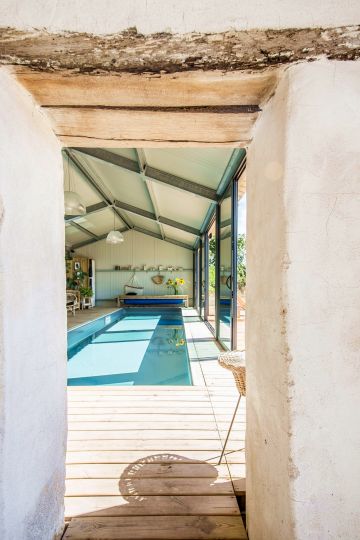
132	346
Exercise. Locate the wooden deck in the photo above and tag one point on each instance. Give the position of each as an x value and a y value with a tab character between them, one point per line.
142	462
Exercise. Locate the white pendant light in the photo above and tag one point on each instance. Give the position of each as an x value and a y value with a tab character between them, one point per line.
73	204
114	237
72	201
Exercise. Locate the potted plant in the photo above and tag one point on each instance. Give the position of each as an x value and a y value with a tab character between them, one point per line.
86	292
175	284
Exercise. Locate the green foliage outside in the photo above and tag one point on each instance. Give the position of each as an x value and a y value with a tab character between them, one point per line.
241	262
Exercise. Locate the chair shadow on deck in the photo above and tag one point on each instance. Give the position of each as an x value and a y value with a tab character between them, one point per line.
169	493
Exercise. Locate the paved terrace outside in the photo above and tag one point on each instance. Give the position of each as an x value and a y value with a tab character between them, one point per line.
152	451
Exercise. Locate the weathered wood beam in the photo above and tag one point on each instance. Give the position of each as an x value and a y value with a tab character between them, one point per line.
131	51
118	127
181	183
177	91
92	209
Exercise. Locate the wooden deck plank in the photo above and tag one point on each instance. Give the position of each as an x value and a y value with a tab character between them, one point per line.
151	470
144	444
148	486
113	409
143	425
153	452
157	456
156	528
197	433
116	506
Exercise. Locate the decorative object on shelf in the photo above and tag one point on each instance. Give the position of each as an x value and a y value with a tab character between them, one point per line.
73	205
175	284
158	279
117	267
114	237
145	267
161	268
133	287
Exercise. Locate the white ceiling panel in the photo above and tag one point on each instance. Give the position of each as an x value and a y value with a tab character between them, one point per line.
180	206
145	223
100	222
124	185
74	181
204	166
201	165
74	236
181	236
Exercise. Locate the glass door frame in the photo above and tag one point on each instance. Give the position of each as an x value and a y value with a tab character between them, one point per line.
233	187
201	266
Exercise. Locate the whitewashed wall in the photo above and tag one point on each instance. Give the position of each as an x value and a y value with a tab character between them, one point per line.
137	250
303	316
32	321
150	16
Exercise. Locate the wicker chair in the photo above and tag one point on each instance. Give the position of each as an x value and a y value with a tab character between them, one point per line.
235	362
71	302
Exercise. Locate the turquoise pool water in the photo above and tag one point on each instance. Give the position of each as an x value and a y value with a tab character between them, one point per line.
133	346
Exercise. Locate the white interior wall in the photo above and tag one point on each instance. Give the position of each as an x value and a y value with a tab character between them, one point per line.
137	250
150	16
32	321
303	317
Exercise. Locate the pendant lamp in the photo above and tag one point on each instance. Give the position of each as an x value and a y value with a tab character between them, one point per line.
72	200
114	237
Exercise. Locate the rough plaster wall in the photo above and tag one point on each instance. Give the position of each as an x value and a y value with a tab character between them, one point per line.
323	281
137	250
268	451
150	16
32	321
303	334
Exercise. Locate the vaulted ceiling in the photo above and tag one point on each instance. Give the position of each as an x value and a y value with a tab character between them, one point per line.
167	193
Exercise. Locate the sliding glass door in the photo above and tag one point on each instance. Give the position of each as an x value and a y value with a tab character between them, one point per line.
225	281
218	269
